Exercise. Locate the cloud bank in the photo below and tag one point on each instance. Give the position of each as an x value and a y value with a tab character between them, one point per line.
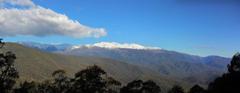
18	2
39	21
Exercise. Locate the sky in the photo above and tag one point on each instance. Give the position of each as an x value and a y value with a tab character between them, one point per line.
198	27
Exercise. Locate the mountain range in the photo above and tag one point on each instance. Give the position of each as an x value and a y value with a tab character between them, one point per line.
166	63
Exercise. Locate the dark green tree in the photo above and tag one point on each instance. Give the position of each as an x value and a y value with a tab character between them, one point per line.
45	87
27	87
176	89
138	86
91	80
133	87
113	85
8	73
234	66
150	87
61	82
197	89
229	82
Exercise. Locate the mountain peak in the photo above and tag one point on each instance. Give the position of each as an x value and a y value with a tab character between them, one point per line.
115	45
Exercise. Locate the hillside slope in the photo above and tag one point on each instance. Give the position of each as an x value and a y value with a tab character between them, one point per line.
36	65
174	64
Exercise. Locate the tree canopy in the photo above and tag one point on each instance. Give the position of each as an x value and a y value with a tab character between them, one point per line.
197	89
176	89
138	86
229	82
8	73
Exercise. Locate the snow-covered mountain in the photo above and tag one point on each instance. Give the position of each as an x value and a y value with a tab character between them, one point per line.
170	63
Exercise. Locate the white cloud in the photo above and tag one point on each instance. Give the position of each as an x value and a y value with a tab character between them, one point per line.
114	45
28	3
39	21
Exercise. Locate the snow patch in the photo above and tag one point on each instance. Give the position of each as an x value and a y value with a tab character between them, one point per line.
115	45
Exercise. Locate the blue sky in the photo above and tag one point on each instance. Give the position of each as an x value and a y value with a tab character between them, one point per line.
196	27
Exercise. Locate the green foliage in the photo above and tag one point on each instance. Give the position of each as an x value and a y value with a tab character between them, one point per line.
229	82
45	87
138	86
92	80
234	66
176	89
61	83
27	87
8	73
197	89
150	87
